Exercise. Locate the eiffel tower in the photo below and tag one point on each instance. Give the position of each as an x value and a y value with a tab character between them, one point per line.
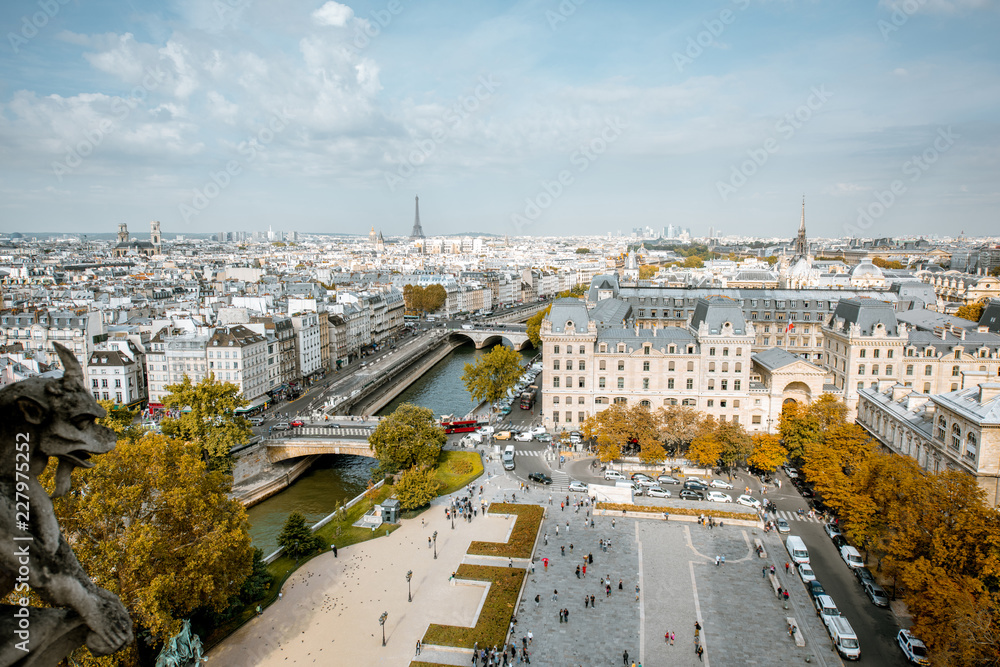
418	231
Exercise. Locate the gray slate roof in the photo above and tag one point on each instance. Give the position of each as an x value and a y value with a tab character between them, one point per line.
568	310
774	358
867	313
715	311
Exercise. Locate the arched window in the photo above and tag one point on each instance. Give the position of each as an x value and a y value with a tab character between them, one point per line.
970	445
942	425
739	367
711	367
956	436
644	404
725	367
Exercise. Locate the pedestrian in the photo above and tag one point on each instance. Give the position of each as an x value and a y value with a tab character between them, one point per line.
700	650
716	561
666	637
590	558
787	565
620	585
566	614
562	549
584	571
555	595
546	538
586	601
592	605
571	547
280	595
557	532
671	638
531	637
562	507
625	658
510	562
545	564
538	601
786	595
567	526
612	522
550	499
577	571
637	592
418	647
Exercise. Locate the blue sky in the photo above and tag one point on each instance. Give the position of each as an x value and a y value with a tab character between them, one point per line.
541	117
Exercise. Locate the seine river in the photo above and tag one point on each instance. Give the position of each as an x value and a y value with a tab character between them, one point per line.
334	478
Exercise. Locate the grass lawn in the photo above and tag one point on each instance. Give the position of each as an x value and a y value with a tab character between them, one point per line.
491	627
457	469
522	537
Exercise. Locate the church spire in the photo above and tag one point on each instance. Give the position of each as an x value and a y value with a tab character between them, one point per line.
801	243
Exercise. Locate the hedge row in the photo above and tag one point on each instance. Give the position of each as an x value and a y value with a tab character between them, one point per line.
522	537
687	511
494	619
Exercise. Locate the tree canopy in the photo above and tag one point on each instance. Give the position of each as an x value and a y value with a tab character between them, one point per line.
297	539
154	526
971	311
493	374
534	325
211	420
618	428
678	425
647	271
409	436
424	299
417	486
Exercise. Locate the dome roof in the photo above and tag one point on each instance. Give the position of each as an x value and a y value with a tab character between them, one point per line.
866	270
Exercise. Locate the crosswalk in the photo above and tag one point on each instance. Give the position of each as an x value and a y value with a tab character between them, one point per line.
560	481
794	516
524	452
324	431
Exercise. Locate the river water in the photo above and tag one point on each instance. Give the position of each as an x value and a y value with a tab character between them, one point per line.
339	478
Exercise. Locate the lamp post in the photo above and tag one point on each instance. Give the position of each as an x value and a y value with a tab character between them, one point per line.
435	536
409	595
453	518
381	621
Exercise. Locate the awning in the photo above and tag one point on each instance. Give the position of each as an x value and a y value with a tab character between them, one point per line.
259	403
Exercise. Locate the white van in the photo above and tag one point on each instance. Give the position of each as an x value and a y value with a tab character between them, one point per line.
474	437
797	549
614	474
851	556
826	608
843	637
508	457
636	489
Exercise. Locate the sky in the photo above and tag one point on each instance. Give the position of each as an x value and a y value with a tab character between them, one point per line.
531	117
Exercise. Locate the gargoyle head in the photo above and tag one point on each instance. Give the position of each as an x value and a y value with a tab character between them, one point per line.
63	415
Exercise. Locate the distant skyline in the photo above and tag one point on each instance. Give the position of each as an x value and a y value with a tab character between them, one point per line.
542	117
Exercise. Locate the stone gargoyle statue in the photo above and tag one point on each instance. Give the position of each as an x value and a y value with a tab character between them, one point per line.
42	418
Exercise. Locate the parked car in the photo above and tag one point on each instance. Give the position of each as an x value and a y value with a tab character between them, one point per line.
647	482
876	594
524	437
839	541
783	526
579	487
639	476
851	556
256	421
614	475
485	430
748	501
720	484
831	530
575	437
719	497
331	425
791	472
688	494
282	426
815	588
913	648
864	575
538	430
541	478
806	573
657	492
543	437
503	435
295	423
692	485
667	479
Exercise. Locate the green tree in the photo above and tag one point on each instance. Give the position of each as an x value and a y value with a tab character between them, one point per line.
413	298
156	527
583	251
534	325
493	375
121	420
297	539
768	452
208	418
887	263
678	425
735	441
434	297
693	262
409	436
798	428
417	486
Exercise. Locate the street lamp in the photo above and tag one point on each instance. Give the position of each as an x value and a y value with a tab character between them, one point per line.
453	518
409	595
435	536
381	621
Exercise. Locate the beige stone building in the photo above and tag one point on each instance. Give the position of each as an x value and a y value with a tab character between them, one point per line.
955	430
596	357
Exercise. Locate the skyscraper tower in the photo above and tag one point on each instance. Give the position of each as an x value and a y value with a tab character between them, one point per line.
801	244
418	231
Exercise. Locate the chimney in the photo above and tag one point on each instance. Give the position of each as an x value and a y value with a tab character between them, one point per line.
899	391
972	378
988	391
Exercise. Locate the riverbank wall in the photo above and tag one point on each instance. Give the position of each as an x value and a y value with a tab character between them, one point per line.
391	385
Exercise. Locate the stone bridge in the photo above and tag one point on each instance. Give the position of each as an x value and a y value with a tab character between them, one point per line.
489	336
281	450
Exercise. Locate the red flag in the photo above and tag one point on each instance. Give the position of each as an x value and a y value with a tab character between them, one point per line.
789	327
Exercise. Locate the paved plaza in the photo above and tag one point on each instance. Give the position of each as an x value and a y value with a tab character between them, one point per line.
328	614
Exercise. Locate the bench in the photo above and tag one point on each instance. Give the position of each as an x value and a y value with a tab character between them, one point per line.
775	584
796	632
757	542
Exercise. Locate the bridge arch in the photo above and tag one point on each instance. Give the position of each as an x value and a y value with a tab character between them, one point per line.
517	340
282	450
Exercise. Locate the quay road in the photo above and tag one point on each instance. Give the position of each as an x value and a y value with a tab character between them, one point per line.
355	375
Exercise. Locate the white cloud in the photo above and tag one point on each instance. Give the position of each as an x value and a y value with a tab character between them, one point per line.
333	14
